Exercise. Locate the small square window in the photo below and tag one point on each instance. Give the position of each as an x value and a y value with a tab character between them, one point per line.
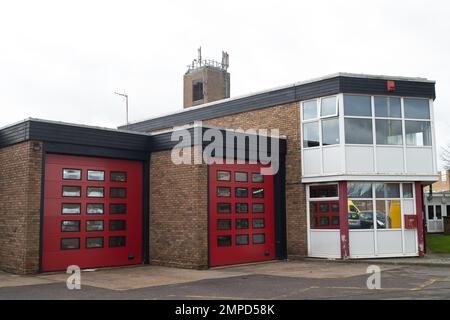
117	241
93	243
223	207
335	220
258	193
324	221
408	191
223	192
241	207
117	225
70	244
117	208
324	208
71	174
223	176
118	176
241	192
70	226
258	207
259	238
241	176
224	241
258	224
118	193
95	192
71	208
329	107
95	208
96	175
242	239
94	225
241	224
223	224
257	178
71	192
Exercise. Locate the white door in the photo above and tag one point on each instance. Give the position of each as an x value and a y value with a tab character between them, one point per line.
434	219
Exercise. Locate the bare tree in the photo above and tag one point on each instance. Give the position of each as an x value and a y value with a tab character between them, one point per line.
445	156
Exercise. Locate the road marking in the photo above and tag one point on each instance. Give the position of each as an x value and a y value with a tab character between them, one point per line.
424	285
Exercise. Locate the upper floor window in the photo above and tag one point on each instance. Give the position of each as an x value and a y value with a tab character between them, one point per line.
388	107
357	106
417	109
197	91
320	122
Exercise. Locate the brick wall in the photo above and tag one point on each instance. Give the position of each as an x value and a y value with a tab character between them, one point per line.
178	213
286	118
20	190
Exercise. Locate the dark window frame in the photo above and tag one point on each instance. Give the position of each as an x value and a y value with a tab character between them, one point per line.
62	240
90	197
241	203
66	186
90	248
117	237
66	179
242	235
217	192
241	172
103	225
220	171
92	170
118	172
74	231
220	203
95	214
259	234
118	188
261	212
111	221
117	204
241	197
70	214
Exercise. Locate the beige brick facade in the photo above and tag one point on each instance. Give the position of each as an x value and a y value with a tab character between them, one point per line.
20	198
178	213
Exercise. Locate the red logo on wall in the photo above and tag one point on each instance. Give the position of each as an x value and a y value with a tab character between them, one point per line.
391	85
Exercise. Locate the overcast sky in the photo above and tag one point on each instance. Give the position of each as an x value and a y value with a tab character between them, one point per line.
62	60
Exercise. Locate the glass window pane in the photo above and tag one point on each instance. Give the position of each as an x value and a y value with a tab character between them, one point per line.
223	192
71	174
92	243
330	132
360	214
257	178
95	192
324	221
71	191
324	208
388	214
117	208
387	190
94	225
359	190
430	212
241	192
70	244
329	107
224	224
223	176
438	212
388	107
224	241
117	241
241	176
95	208
70	226
241	207
258	223
327	191
358	131
335	221
241	224
417	109
313	215
409	207
408	190
259	238
223	207
258	193
118	193
118	177
310	110
357	106
389	132
418	133
117	225
258	207
241	239
311	135
96	175
71	208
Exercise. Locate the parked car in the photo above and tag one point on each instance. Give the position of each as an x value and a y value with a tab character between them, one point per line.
354	221
366	219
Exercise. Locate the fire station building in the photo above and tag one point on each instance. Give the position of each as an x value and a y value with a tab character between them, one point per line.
354	154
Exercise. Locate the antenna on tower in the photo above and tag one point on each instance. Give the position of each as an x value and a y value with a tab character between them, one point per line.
200	55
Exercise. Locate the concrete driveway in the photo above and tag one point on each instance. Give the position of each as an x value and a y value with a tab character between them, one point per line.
274	280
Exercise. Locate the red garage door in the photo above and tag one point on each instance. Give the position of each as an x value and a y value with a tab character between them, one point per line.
92	212
241	215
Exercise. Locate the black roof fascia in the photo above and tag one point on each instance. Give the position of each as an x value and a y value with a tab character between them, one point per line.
300	92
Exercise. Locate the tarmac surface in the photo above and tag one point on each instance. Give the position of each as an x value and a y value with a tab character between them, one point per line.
305	279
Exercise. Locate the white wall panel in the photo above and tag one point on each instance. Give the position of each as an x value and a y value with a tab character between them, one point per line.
419	160
411	242
389	242
331	160
390	160
362	243
325	244
359	159
312	162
